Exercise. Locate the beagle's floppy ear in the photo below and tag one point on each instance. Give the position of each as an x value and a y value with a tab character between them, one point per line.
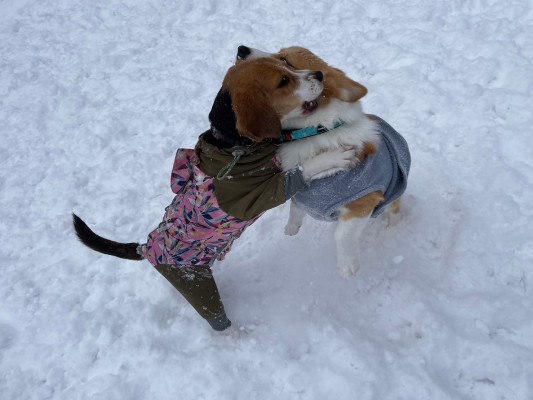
256	117
347	89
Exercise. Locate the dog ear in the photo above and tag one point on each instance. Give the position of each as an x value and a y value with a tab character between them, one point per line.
347	89
222	117
256	117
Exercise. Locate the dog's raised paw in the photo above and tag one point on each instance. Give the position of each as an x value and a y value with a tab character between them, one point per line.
348	269
291	229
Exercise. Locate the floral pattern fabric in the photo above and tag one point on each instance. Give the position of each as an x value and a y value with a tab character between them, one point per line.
194	230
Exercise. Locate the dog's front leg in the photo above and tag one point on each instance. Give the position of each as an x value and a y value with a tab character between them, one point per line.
341	158
296	219
347	236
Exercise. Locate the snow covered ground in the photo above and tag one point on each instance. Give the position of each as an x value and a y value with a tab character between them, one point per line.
96	96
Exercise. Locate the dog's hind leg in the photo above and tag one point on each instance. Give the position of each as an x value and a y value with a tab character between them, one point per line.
296	219
394	207
353	219
347	236
394	214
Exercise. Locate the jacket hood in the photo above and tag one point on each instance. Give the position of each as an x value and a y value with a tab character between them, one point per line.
247	185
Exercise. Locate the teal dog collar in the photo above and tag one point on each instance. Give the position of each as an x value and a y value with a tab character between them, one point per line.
289	136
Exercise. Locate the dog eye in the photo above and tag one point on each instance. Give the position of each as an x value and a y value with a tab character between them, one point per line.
284	81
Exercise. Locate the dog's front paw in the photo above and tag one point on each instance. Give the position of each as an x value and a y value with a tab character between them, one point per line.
340	158
292	229
348	268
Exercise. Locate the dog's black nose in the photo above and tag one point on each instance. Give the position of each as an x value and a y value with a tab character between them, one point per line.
243	52
319	76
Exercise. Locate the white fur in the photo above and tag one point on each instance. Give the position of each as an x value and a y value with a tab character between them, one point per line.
296	219
255	53
310	87
336	159
356	130
347	237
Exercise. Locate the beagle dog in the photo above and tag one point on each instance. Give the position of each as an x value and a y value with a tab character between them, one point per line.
337	120
228	180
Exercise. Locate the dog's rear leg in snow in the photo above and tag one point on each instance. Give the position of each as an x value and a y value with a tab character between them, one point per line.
353	219
347	236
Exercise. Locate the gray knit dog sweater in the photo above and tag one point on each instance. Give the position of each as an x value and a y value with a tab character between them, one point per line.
385	171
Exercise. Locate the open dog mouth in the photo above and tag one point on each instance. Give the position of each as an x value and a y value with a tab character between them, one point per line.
310	106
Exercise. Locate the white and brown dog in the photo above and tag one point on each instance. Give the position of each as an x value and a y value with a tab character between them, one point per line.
351	197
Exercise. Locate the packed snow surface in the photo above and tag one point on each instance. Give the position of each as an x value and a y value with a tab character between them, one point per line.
95	98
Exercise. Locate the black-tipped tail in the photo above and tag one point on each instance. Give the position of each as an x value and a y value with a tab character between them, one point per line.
102	245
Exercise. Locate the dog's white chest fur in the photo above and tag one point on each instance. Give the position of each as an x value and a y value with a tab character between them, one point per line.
357	130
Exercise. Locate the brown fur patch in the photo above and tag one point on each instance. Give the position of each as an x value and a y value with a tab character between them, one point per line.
336	83
258	100
368	148
362	207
